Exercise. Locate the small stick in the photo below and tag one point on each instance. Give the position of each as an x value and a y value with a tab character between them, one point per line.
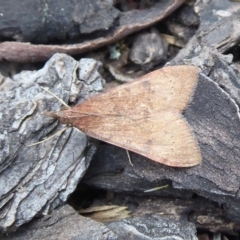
129	157
156	188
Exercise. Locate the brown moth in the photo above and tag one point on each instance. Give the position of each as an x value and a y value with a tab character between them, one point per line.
144	116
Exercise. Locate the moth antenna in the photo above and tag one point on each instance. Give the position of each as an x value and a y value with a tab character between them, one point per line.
129	157
60	100
156	188
55	134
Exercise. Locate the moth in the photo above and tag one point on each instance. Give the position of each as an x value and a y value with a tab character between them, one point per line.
144	116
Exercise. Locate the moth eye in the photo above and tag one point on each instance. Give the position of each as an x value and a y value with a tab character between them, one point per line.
64	120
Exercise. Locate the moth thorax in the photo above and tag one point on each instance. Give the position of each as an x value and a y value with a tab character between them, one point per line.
62	117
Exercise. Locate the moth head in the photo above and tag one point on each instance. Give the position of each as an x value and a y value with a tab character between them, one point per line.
60	115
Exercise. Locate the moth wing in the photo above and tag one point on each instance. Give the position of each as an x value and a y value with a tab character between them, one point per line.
165	138
164	89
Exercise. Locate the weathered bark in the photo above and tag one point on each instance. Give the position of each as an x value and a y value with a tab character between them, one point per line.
219	24
36	179
63	223
214	116
48	21
153	227
128	23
